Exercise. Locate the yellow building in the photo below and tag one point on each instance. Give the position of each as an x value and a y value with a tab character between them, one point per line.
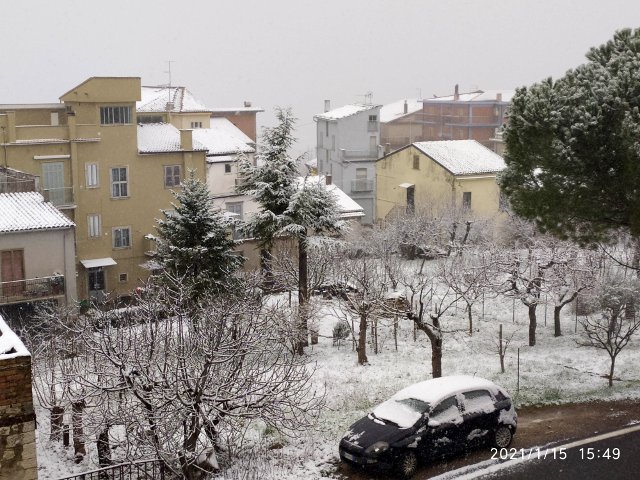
439	174
106	173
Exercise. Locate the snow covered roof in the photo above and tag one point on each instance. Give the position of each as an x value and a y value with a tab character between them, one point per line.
395	110
237	110
477	96
223	137
462	157
162	137
155	100
345	111
10	345
347	207
27	211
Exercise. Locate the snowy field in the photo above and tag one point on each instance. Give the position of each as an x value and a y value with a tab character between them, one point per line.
554	371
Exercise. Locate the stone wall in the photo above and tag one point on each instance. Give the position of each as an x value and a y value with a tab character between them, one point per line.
17	418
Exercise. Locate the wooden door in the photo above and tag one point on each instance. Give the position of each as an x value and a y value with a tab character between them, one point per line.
12	271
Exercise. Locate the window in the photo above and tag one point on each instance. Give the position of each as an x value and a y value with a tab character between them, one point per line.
466	199
171	176
416	162
327	127
478	401
123	277
446	411
150	119
121	237
91	171
373	118
196	124
227	168
235	207
115	115
361	173
94	223
119	182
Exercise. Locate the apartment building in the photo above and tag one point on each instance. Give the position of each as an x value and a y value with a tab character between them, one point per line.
85	151
348	145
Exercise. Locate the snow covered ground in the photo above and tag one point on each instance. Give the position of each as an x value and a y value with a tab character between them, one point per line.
554	371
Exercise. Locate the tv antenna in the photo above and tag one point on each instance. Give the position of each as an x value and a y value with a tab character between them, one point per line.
368	98
169	62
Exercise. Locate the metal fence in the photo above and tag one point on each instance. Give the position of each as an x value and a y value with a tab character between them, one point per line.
31	289
141	470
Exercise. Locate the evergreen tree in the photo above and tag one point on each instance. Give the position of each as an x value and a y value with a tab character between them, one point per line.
286	206
573	146
194	240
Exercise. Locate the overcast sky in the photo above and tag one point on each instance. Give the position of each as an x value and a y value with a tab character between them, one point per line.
296	52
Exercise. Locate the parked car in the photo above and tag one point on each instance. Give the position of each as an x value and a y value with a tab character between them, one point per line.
428	420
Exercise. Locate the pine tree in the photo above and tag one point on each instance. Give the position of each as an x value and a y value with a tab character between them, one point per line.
286	206
573	149
194	240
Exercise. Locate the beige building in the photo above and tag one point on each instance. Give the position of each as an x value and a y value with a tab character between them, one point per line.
85	151
439	174
37	252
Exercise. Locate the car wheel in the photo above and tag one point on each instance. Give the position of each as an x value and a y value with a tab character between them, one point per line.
407	464
502	437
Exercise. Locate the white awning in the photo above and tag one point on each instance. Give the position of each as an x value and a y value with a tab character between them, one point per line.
98	262
406	185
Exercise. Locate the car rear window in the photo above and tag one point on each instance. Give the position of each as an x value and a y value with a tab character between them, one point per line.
478	401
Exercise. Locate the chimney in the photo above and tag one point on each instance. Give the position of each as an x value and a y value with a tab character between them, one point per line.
499	97
406	107
327	179
247	104
186	139
387	148
456	94
327	105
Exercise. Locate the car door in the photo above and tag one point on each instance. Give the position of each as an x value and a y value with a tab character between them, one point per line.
479	416
443	425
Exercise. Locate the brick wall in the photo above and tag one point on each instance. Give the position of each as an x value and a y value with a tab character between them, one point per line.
17	420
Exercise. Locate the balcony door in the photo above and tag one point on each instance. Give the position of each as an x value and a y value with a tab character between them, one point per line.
53	181
12	272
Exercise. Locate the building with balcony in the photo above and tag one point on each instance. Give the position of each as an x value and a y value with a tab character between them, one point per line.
439	175
86	154
348	145
37	251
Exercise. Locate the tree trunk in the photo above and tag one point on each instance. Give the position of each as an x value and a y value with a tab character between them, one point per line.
556	320
532	324
362	341
501	350
436	357
470	315
57	417
77	409
265	266
303	293
613	364
104	450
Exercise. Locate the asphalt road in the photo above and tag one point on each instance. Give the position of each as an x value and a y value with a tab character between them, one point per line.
615	457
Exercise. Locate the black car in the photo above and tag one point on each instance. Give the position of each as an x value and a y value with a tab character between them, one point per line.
428	420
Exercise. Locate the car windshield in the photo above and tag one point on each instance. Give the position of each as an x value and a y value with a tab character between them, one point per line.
403	412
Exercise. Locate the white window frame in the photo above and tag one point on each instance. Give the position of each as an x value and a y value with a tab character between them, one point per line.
94	225
172	176
115	115
92	175
117	236
196	125
119	184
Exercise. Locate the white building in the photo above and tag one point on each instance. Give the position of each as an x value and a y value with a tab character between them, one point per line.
348	145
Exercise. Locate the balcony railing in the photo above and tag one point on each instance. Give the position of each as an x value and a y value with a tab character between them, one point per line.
142	470
362	185
373	126
60	197
366	154
31	289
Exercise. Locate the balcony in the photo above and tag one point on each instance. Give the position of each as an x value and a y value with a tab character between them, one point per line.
359	154
361	185
373	126
27	290
60	197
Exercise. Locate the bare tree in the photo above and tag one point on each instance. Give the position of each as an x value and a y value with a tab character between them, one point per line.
611	329
178	392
